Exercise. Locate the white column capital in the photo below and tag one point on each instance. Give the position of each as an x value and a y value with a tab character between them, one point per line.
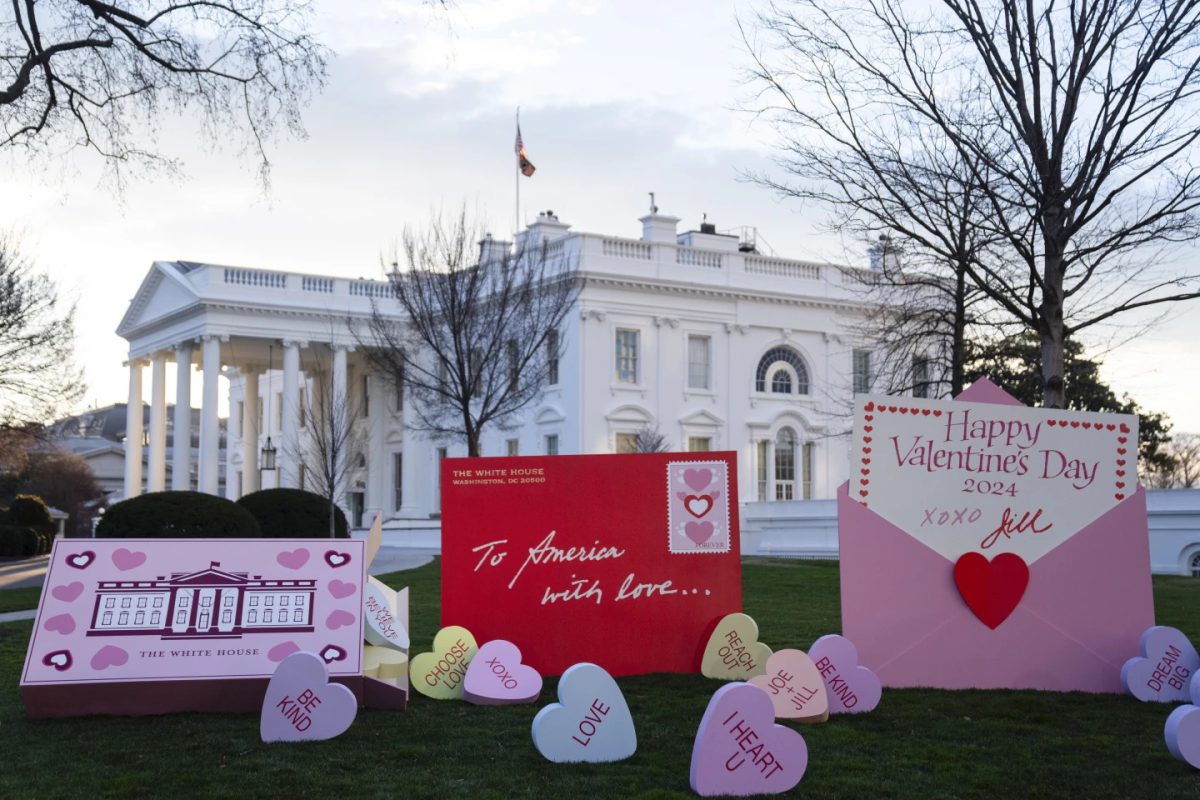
302	343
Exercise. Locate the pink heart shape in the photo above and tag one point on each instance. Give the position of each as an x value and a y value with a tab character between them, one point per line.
739	749
1166	664
60	623
302	705
697	479
794	687
81	560
109	656
496	676
339	619
698	532
124	559
59	659
282	650
335	559
293	559
68	591
852	688
340	589
1182	732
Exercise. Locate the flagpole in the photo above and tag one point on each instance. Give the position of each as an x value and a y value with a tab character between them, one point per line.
517	185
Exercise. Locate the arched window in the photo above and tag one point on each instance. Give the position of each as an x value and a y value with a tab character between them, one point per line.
1195	566
785	464
776	369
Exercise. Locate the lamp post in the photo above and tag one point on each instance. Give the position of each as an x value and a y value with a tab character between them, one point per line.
266	456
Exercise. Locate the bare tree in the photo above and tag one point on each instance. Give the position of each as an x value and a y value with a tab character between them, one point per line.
479	333
333	442
38	378
1183	470
103	74
1077	126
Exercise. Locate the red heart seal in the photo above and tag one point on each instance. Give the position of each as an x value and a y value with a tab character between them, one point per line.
991	589
698	505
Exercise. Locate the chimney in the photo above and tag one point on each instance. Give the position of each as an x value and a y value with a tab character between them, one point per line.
492	249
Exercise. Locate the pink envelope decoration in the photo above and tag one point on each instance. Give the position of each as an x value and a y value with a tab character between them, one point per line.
937	480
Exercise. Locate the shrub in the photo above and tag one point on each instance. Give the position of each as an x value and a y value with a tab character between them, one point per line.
177	515
29	511
294	514
17	541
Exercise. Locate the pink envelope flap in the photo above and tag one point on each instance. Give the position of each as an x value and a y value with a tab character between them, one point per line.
1078	621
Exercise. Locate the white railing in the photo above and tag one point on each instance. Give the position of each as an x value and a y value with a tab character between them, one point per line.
376	289
255	277
626	248
781	268
691	257
310	284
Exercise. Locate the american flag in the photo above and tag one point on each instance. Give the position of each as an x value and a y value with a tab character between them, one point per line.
523	163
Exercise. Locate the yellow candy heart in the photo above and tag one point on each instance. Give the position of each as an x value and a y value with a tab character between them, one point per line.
733	652
439	674
386	664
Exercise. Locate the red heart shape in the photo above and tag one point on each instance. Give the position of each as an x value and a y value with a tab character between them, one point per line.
1051	423
1124	428
1122	439
863	492
1120	473
868	428
1120	484
693	501
925	412
866	439
1119	496
937	413
866	460
868	417
1111	427
1121	450
1086	425
991	589
892	409
1074	423
869	407
865	471
866	450
903	410
1120	462
864	481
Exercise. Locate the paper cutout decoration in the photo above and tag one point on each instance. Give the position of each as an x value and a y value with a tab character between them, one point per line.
733	652
1089	597
851	687
374	540
301	704
381	614
794	686
497	677
590	722
1163	671
439	674
385	664
991	589
739	749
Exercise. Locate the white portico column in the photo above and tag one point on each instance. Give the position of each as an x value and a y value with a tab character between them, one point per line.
341	416
289	450
250	430
133	431
156	467
181	444
210	431
408	507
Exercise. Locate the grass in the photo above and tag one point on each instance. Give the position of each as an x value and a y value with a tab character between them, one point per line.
19	599
917	744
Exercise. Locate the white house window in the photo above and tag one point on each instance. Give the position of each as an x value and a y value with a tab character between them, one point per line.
699	362
552	444
862	371
699	444
512	447
252	616
108	616
920	375
785	464
283	615
781	370
366	395
181	618
123	619
141	602
552	358
227	617
254	600
397	480
1195	568
806	471
139	618
109	602
626	442
184	600
267	615
126	602
627	355
761	475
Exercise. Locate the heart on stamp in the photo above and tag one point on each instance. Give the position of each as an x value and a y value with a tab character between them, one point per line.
991	589
302	705
1164	670
496	676
698	505
59	659
698	532
1182	732
67	592
589	723
81	560
109	656
60	623
733	652
439	674
852	688
335	559
697	479
794	685
720	763
293	559
125	559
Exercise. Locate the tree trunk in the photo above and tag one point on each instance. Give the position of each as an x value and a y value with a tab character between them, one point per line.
1050	328
959	355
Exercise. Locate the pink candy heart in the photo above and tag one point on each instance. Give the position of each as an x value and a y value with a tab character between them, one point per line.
496	676
125	559
1182	732
301	704
852	689
67	592
1161	673
794	687
739	749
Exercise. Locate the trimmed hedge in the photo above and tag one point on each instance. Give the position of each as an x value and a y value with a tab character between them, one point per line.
29	511
18	542
294	514
177	515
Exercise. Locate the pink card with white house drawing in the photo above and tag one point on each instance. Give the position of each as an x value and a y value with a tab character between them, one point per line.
135	610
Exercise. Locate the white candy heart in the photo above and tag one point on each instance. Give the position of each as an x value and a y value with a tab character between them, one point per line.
590	722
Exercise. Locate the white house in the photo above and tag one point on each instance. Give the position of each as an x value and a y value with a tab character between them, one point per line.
694	334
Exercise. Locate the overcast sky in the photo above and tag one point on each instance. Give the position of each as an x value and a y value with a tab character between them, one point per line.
618	99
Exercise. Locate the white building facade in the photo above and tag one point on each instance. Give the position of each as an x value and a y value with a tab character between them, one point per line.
692	334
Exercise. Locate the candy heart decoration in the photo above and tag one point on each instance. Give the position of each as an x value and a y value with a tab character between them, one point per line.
794	686
991	589
125	559
739	749
852	688
1163	671
733	652
68	592
497	677
439	674
1182	732
302	705
590	722
386	664
383	628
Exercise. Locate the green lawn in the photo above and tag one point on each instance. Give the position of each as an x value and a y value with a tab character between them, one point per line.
918	743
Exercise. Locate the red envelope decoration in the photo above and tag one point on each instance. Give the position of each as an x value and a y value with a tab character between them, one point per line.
1088	597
